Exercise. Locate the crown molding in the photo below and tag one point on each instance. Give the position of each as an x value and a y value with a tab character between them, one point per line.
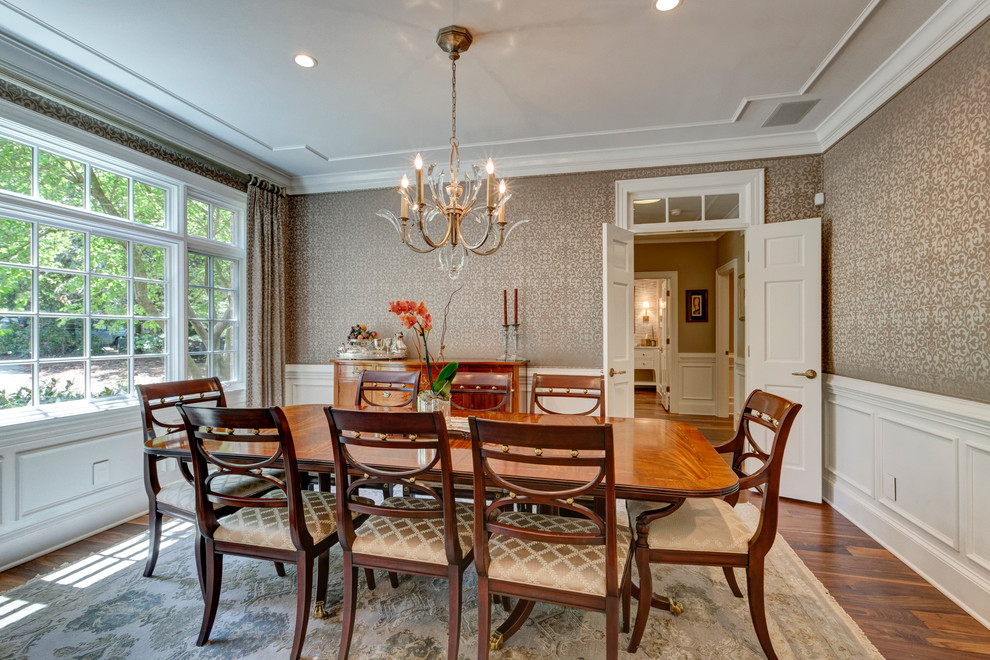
779	145
947	27
43	74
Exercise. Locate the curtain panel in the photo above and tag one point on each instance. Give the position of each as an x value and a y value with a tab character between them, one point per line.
266	218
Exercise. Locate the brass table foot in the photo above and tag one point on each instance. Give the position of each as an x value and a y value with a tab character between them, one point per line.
319	612
495	641
675	607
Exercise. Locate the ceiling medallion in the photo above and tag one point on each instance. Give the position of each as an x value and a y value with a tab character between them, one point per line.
450	220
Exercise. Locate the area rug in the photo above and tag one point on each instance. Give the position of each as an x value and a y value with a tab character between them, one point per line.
102	608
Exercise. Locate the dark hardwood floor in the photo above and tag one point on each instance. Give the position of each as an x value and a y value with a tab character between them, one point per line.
904	616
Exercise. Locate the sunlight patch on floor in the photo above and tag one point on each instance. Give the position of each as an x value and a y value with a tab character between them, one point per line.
12	610
90	570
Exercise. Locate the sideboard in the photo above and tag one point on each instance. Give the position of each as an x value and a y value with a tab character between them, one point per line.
347	373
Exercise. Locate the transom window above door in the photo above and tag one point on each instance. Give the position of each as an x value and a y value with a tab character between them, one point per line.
720	201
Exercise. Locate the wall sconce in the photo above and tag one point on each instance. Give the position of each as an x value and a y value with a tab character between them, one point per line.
646	311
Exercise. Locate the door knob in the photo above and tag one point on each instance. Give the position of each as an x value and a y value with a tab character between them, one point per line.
809	374
612	372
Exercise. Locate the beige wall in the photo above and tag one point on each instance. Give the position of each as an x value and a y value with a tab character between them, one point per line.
695	266
907	234
345	264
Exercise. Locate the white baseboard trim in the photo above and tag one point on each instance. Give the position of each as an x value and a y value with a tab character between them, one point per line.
32	541
910	469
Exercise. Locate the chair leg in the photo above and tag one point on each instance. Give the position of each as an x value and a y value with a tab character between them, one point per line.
350	604
757	609
730	577
611	628
626	600
484	618
393	579
304	592
369	577
322	573
454	611
154	541
200	552
213	575
645	597
506	603
279	569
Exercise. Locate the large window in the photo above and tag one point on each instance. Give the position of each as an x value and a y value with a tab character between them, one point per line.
110	276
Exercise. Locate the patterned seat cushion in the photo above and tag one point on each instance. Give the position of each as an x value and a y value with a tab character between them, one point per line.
180	494
418	539
702	524
579	568
270	527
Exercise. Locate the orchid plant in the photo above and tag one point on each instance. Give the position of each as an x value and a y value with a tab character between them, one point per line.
414	316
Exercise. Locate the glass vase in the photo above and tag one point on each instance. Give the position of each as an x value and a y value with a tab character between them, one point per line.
430	402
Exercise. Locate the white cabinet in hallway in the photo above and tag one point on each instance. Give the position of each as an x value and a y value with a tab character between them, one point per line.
647	359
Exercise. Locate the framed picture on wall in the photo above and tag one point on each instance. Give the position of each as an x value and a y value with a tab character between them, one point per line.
697	305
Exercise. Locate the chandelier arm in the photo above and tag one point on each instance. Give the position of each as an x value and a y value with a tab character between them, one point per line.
485	253
484	239
429	241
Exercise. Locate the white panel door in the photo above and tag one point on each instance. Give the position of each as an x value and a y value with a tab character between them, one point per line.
617	298
663	387
784	334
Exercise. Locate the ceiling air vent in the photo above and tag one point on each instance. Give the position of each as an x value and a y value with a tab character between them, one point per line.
787	114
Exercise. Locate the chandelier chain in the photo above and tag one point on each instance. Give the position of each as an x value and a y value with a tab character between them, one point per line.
455	152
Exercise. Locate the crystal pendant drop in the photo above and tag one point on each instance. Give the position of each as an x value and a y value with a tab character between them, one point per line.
452	258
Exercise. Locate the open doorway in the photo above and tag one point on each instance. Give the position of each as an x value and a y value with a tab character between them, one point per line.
687	300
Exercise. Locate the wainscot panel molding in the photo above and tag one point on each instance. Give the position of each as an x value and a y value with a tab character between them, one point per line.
910	468
65	478
739	392
697	395
313	383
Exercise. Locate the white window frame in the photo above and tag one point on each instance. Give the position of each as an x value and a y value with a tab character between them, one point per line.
178	184
748	184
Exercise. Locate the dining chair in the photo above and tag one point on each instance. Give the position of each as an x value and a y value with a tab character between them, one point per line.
481	392
377	389
428	535
590	389
708	531
578	561
177	498
288	524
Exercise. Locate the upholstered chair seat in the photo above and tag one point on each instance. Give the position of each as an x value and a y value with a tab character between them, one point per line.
182	495
699	525
579	568
416	539
269	527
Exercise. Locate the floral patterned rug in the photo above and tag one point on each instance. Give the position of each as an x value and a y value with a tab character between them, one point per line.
102	608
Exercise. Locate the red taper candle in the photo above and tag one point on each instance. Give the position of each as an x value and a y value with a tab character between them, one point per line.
505	307
515	304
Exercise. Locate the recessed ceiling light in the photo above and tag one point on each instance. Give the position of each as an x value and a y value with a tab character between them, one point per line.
305	61
667	5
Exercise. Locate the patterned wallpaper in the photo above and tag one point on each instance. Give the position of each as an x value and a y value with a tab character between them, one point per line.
907	234
345	264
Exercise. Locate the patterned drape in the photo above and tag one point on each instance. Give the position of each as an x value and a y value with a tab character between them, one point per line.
266	216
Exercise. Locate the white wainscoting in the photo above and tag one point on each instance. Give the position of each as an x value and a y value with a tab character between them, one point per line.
739	393
313	383
913	470
63	479
697	395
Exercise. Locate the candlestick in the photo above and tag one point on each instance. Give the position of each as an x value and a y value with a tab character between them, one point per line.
419	181
505	353
515	305
405	202
505	307
490	168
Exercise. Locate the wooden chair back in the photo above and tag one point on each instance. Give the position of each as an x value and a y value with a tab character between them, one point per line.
777	415
588	388
159	397
377	389
212	430
502	452
481	392
364	441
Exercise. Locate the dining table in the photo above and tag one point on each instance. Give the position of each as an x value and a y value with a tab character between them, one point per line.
658	460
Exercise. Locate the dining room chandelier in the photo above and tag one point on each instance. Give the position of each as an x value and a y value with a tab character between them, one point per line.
451	219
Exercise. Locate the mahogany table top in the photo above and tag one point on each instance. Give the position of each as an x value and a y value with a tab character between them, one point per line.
654	459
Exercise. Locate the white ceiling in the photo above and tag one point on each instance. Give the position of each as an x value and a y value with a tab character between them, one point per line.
546	86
